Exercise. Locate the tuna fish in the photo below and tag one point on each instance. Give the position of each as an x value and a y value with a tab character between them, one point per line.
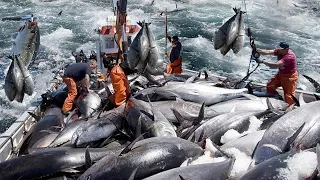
219	171
146	160
47	162
88	103
139	48
280	135
223	33
240	39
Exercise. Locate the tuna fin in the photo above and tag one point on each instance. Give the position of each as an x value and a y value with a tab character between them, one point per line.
233	109
314	83
221	151
107	141
254	150
88	159
317	97
296	101
292	138
128	148
151	116
200	116
186	162
178	116
191	79
178	99
36	117
202	137
205	74
289	108
301	100
134	172
250	90
181	178
271	108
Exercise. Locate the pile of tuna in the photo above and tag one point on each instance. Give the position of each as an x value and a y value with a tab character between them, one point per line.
187	129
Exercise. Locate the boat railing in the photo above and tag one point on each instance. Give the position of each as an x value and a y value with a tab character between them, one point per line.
12	138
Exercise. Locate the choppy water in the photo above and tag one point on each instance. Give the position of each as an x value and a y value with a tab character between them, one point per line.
196	21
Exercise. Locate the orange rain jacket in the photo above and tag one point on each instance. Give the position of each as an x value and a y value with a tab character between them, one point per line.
120	85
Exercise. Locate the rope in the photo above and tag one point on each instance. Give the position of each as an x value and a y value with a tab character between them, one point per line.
245	8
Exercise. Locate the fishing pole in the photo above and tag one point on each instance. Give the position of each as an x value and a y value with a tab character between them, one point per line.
166	29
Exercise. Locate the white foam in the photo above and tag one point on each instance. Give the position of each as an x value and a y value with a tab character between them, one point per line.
299	166
241	164
207	158
58	38
230	135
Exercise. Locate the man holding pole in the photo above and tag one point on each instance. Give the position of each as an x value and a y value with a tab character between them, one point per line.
175	60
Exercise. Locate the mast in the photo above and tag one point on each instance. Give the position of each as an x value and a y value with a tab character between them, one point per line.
120	8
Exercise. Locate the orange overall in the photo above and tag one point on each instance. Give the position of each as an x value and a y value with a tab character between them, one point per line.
288	82
287	76
175	67
72	93
120	85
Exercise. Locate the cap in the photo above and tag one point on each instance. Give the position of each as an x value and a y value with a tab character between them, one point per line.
175	38
283	45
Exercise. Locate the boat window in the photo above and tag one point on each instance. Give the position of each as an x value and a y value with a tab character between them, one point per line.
109	42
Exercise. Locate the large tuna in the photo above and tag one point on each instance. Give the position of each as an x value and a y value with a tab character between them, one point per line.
139	48
89	103
146	160
47	162
221	36
280	135
217	171
239	41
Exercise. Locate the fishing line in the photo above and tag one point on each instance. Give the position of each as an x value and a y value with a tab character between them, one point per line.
245	8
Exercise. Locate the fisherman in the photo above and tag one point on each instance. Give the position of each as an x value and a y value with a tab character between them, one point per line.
77	73
97	78
80	58
124	65
175	60
119	82
287	75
